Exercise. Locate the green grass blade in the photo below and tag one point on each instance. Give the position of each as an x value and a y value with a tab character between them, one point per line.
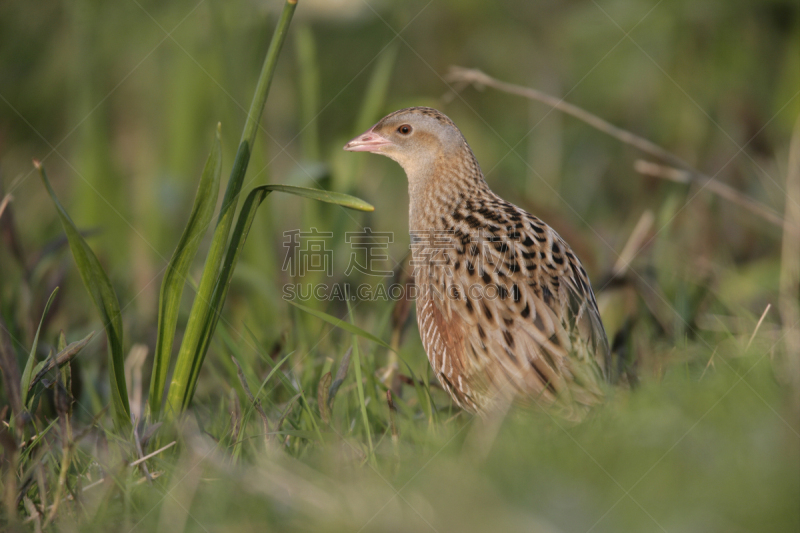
192	352
174	279
341	324
360	387
105	299
341	374
65	354
422	395
322	397
271	373
345	200
267	71
25	383
238	238
290	385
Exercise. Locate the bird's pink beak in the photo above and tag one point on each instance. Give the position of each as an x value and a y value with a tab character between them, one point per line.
368	141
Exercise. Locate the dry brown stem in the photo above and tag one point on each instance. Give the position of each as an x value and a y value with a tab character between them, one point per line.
678	169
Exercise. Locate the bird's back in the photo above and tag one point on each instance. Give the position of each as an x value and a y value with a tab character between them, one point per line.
505	309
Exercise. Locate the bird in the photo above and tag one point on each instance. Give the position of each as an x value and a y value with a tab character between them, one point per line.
505	309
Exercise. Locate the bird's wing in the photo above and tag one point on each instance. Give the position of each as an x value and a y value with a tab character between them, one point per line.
529	319
443	341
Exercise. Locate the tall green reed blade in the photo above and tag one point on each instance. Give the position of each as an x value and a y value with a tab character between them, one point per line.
25	384
190	355
105	299
238	238
172	286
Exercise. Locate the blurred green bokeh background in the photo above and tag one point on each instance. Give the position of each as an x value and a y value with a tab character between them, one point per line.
120	101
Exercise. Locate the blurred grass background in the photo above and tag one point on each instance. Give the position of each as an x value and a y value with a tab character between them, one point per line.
121	100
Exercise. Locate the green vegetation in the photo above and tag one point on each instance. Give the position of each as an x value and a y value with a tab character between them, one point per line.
268	414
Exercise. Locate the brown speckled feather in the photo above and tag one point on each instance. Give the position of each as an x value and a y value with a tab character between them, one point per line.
506	311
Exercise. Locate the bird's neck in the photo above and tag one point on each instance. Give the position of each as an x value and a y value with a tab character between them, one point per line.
436	189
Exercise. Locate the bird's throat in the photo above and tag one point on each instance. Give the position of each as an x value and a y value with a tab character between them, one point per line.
435	190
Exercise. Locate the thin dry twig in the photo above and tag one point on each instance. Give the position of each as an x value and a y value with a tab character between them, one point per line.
710	364
94	484
4	203
33	512
63	402
758	326
140	452
150	455
634	243
62	482
684	173
480	79
399	321
392	419
722	190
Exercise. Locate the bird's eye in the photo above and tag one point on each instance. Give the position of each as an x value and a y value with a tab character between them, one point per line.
405	129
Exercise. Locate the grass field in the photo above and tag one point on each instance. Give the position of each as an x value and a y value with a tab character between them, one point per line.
251	413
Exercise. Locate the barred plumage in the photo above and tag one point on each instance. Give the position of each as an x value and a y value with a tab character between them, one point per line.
505	309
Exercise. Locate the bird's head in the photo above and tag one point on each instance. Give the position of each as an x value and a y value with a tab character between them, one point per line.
415	137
